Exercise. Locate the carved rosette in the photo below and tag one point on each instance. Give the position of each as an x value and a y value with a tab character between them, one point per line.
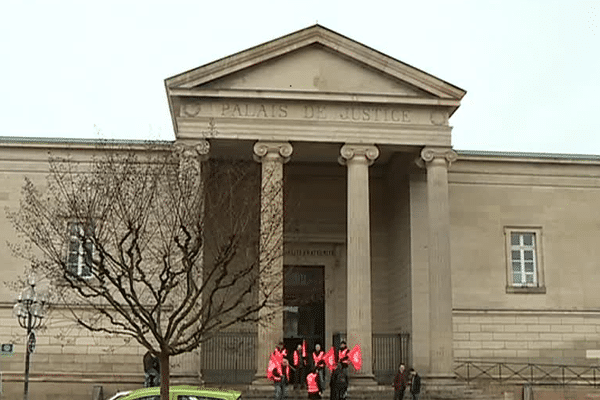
350	152
430	154
274	151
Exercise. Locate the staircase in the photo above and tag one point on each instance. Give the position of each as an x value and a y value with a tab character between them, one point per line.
454	391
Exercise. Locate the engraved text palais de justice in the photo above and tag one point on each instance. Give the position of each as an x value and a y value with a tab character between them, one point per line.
350	113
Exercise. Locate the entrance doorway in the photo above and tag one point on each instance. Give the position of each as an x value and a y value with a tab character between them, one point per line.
304	307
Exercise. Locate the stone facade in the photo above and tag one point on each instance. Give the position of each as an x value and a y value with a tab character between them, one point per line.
411	235
554	337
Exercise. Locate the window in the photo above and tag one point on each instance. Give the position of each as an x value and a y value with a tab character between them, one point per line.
79	256
524	263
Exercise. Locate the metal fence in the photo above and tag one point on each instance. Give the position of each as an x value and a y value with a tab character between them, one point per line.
536	374
389	350
230	357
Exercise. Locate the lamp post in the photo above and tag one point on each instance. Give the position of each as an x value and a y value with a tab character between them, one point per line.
30	311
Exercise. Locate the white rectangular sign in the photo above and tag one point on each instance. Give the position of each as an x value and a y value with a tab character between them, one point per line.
592	354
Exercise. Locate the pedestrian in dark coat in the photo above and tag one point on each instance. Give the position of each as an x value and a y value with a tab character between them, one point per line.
338	383
151	370
415	384
400	382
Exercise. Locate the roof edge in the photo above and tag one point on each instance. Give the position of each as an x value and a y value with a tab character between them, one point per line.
486	155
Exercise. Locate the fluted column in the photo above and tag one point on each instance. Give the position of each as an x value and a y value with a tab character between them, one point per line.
437	162
272	156
358	158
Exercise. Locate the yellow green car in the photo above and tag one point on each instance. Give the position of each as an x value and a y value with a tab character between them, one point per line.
183	393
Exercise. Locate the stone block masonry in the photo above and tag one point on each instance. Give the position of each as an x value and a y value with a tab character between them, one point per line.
557	337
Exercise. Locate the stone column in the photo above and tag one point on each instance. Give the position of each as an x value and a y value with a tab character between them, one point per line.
186	369
358	158
272	156
437	161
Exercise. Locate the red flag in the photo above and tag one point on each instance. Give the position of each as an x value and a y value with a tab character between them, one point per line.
356	357
330	359
274	363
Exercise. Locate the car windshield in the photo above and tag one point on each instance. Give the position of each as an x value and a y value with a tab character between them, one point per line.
119	395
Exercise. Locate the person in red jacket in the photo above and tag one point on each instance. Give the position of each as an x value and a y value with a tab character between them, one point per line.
299	364
319	363
281	376
312	382
280	348
343	356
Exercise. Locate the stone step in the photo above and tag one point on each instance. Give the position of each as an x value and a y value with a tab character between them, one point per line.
456	392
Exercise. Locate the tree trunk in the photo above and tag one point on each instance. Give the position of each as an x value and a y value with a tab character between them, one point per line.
163	357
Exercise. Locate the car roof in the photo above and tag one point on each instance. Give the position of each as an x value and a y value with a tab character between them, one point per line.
187	389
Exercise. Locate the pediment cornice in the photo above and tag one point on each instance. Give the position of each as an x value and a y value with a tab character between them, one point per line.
185	83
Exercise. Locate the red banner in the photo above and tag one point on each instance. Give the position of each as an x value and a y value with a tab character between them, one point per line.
330	359
274	363
356	357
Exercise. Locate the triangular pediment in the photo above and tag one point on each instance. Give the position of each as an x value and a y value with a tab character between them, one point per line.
315	68
314	60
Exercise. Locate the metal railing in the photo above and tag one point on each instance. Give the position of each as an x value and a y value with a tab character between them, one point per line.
535	374
230	357
389	350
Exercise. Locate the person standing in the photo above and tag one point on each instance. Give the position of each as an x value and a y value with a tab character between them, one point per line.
151	370
400	382
312	379
415	384
339	382
319	363
343	356
299	364
281	377
280	350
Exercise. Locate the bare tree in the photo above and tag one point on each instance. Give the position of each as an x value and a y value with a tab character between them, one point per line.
158	245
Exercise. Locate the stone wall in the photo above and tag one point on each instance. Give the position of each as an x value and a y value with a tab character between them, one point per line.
63	348
540	337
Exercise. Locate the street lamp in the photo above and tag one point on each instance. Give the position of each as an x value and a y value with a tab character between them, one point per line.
30	311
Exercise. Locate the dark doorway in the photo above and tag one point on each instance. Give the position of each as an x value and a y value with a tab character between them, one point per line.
304	307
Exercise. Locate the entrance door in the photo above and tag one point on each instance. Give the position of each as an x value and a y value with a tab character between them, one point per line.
304	306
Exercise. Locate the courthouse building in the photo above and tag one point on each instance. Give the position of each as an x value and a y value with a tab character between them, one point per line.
417	251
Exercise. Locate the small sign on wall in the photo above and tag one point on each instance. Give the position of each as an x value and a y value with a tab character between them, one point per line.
7	349
592	354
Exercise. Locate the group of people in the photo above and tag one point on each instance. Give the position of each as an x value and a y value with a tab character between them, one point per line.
281	372
405	379
309	372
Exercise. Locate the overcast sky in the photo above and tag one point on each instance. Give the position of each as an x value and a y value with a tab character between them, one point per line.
531	69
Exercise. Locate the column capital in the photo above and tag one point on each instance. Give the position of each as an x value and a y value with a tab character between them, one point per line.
275	151
354	152
199	148
429	154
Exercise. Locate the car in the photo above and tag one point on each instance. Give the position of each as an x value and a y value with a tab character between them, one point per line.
119	396
183	392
